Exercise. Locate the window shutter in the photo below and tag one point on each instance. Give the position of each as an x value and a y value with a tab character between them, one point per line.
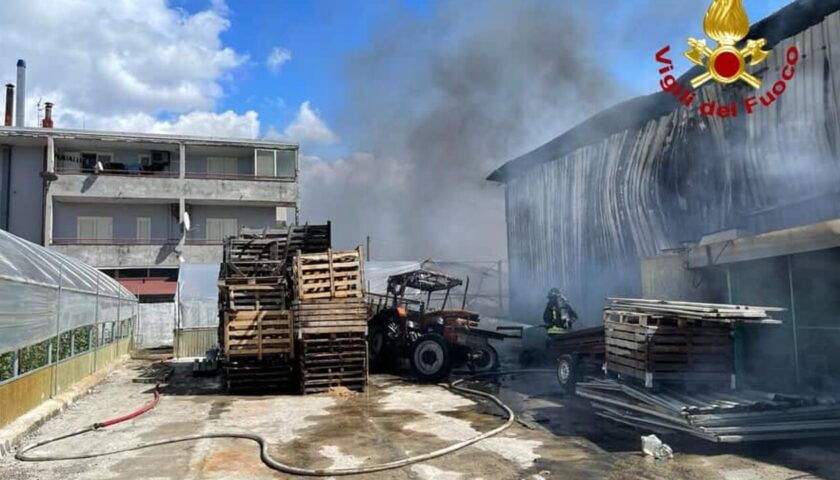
85	228
144	229
104	228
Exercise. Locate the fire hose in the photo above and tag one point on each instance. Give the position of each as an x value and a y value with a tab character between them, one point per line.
455	386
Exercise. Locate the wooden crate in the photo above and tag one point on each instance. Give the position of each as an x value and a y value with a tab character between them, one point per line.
258	334
332	360
657	350
331	274
255	293
250	375
333	315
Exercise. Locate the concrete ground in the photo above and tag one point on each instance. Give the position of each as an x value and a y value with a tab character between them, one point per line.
558	438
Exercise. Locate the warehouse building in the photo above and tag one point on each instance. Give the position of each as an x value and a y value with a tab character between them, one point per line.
652	198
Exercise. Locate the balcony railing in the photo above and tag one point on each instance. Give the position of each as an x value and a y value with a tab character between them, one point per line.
237	176
75	165
113	241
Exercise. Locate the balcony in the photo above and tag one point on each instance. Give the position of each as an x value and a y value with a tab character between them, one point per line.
159	186
129	253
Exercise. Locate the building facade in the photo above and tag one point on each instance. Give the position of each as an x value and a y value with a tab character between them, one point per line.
137	206
652	198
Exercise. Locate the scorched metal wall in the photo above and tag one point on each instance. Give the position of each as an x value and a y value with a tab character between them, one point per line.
581	220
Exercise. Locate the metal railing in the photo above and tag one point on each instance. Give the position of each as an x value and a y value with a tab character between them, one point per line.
113	241
238	176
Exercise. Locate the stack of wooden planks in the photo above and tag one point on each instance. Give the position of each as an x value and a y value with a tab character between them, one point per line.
664	342
330	320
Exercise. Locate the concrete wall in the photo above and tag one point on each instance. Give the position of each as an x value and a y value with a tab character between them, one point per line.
156	325
26	202
140	256
667	277
82	186
164	224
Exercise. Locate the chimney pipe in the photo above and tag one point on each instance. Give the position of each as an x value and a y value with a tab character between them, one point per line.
20	120
10	104
48	121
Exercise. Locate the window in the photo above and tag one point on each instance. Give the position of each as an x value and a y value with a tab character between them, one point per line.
145	159
274	163
94	229
144	229
222	166
219	229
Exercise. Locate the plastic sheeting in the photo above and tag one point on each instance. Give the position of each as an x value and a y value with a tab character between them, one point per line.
198	295
43	293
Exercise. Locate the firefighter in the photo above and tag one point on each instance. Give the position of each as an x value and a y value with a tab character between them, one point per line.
559	316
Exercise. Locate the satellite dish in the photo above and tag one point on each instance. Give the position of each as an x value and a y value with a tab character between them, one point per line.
99	167
186	221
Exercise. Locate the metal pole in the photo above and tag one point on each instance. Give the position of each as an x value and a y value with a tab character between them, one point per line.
501	288
95	328
367	249
793	319
57	332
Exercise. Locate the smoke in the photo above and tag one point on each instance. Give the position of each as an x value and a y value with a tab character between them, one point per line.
436	103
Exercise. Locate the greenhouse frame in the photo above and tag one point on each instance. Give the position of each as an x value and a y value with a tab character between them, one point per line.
60	321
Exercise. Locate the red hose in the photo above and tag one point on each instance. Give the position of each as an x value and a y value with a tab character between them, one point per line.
145	408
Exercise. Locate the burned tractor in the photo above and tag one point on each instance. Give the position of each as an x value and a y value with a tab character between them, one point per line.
433	338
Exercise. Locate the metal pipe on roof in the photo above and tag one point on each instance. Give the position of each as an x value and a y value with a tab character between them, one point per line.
20	119
10	99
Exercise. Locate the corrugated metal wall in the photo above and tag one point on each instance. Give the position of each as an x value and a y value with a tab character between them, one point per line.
583	221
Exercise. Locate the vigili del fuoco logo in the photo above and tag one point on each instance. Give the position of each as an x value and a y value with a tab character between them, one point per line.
728	25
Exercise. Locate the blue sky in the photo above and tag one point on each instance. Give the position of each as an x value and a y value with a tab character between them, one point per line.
320	35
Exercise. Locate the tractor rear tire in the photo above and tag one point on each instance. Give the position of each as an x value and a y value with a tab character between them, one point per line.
431	359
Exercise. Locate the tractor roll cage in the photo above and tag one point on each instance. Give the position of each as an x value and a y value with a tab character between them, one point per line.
426	281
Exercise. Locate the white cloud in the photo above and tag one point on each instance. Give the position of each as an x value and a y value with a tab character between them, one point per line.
225	124
277	58
107	63
307	127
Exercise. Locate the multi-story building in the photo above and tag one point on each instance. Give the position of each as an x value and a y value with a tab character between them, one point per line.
138	205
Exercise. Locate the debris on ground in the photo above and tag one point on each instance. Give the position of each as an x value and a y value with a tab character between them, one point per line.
653	446
157	372
341	392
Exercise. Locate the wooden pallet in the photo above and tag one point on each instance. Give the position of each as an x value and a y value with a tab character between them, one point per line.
335	315
259	334
331	360
255	376
331	274
658	354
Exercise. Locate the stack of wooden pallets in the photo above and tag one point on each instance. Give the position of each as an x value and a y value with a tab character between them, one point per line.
256	326
330	320
662	342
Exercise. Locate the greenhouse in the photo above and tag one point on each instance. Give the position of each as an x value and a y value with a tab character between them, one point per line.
60	320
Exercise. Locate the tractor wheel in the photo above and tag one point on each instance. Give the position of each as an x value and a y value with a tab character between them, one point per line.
430	358
486	359
567	373
377	347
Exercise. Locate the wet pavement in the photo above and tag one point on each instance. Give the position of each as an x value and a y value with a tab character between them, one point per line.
558	437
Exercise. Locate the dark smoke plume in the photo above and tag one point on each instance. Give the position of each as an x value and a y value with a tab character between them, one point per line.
436	103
